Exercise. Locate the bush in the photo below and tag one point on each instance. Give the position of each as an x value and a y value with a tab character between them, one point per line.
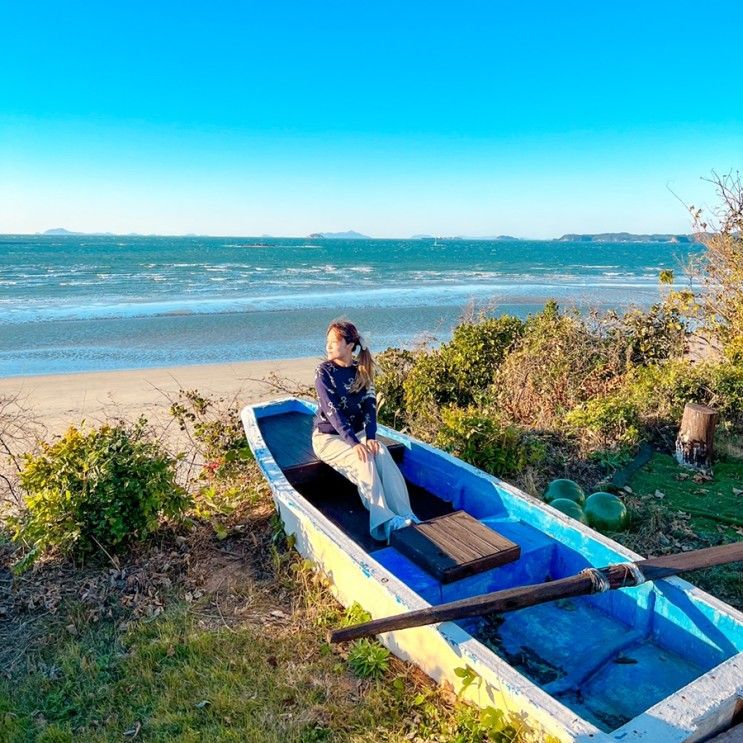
213	426
608	420
460	371
100	488
558	363
652	398
719	305
660	392
483	440
393	367
651	336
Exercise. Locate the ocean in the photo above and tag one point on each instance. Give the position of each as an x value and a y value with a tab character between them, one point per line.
84	303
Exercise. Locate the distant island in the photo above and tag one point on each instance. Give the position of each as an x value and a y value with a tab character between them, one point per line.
510	238
349	235
626	237
62	231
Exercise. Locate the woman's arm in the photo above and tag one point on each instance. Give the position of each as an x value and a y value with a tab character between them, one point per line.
329	400
369	409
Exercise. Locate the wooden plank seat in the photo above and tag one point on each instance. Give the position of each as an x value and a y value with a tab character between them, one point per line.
289	437
454	546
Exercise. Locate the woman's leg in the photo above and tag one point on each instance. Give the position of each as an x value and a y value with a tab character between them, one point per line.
332	450
396	495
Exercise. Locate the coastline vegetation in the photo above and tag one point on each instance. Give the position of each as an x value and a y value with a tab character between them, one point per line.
147	591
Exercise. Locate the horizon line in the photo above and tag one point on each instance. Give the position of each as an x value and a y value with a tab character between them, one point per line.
341	235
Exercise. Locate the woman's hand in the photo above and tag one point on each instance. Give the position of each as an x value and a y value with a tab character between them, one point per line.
362	452
373	446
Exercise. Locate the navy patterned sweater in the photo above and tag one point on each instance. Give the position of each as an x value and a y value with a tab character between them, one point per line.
341	411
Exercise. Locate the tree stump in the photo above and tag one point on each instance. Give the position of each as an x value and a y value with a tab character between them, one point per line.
694	440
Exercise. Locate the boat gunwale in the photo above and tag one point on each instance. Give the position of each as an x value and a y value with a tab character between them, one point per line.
665	712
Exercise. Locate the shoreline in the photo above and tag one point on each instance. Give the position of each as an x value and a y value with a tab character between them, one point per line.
62	400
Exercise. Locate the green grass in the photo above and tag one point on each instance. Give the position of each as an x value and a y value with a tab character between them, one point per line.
177	681
691	514
179	678
708	502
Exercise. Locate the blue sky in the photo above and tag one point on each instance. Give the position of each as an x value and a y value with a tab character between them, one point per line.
391	118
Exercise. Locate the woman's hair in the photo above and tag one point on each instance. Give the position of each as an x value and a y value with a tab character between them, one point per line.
347	331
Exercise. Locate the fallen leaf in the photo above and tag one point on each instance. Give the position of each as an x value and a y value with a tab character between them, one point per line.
737	491
659	494
278	614
203	703
134	731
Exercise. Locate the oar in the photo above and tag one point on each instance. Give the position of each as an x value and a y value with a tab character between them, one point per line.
591	580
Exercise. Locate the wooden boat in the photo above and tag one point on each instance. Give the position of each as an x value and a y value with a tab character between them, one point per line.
660	663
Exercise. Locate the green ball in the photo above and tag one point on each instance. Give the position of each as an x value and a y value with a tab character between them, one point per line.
606	512
565	489
571	508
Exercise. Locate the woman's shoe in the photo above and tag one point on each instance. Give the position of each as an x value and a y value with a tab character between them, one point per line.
395	523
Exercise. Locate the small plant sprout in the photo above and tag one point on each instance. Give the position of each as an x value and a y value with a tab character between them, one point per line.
368	660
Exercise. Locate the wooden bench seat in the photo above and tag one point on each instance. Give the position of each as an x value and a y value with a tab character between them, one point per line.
454	546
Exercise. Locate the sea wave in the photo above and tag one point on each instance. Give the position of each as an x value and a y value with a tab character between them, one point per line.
599	292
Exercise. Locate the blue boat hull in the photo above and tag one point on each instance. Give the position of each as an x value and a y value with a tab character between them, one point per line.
660	662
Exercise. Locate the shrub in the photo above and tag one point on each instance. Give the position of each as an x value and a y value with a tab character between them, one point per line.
460	371
558	363
719	305
477	349
652	398
610	420
213	426
726	385
661	391
393	367
651	336
97	488
482	439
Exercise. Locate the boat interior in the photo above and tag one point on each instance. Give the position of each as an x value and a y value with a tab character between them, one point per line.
608	657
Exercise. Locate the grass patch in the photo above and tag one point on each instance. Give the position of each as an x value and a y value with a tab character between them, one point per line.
710	502
235	652
673	510
173	679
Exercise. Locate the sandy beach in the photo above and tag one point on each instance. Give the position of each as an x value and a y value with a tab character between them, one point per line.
62	400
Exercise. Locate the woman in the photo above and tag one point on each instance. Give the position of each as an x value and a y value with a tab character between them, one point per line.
345	427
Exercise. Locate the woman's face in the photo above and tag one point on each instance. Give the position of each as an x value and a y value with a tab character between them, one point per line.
337	349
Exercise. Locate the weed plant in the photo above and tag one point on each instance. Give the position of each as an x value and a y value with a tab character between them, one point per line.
97	489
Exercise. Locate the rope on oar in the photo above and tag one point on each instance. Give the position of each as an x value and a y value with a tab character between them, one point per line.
599	582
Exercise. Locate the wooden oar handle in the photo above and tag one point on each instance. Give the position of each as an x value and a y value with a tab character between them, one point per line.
682	562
